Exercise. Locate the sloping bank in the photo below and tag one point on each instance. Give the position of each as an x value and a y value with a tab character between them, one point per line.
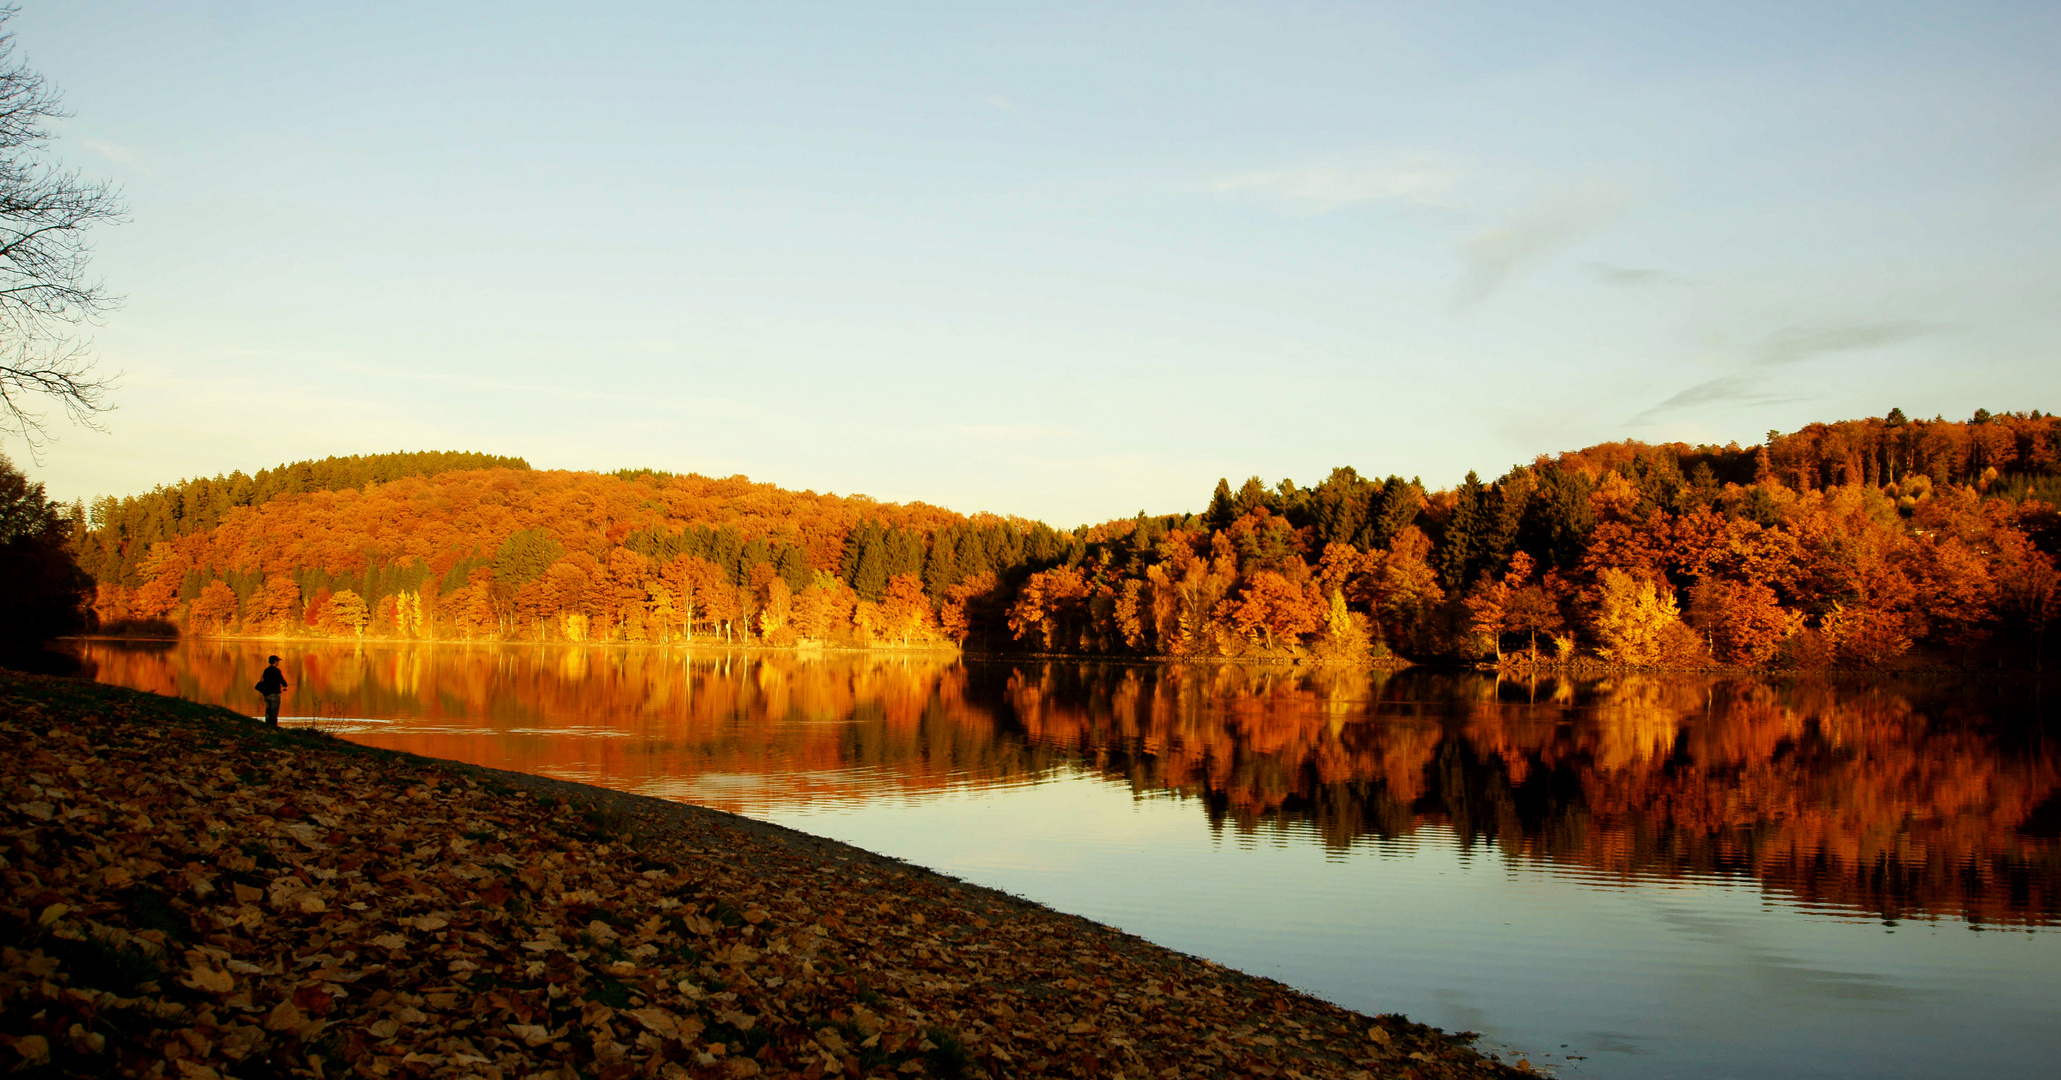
189	894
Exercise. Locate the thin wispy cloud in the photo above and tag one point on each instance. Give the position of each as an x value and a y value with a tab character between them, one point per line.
1319	188
1535	235
997	101
1633	277
1783	349
115	152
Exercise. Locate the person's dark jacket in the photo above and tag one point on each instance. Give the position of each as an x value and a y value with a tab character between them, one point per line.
271	682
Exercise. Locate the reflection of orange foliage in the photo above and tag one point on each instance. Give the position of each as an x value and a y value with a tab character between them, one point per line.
637	719
1852	799
1875	799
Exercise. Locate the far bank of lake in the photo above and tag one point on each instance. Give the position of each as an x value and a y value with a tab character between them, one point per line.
1670	875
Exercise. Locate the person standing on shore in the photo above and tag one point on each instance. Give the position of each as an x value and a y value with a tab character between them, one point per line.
271	684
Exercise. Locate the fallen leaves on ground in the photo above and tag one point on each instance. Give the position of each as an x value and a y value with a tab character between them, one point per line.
191	895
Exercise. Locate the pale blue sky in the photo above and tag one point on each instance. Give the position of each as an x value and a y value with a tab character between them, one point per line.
1064	261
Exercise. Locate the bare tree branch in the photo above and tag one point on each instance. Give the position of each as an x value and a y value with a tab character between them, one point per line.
46	211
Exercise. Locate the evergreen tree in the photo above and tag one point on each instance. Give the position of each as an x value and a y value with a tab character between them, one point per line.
1557	521
1460	549
523	558
903	551
867	534
1338	507
1221	511
1393	508
792	564
869	573
941	568
1253	495
753	553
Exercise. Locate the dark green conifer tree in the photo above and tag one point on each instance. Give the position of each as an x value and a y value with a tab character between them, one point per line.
1459	551
902	551
522	558
1253	495
1392	509
1557	520
792	564
1338	507
754	552
1221	510
941	569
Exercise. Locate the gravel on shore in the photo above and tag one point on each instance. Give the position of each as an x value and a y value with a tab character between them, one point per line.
186	893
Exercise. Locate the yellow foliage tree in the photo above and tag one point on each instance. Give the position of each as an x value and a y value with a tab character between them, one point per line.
213	608
346	611
1633	619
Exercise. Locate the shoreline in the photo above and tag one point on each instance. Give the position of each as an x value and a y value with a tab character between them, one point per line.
192	894
1510	667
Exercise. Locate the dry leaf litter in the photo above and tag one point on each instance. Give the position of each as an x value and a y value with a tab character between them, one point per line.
192	895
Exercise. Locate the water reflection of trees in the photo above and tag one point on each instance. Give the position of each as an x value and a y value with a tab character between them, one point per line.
637	719
1894	799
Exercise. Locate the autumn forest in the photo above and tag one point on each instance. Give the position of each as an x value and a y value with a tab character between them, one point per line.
1858	544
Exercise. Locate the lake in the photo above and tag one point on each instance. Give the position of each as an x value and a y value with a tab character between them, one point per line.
1667	876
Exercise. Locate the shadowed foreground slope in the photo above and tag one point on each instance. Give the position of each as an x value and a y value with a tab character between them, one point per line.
188	894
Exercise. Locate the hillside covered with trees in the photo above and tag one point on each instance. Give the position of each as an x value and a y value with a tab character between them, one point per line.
1856	544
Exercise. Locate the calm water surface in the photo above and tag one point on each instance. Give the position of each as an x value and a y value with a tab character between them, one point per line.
1641	877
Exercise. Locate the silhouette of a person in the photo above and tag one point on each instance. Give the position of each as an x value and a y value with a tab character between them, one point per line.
270	684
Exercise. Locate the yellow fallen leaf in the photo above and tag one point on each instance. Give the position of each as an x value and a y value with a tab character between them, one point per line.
530	1034
390	941
210	980
34	1049
52	913
383	1029
286	1017
247	895
431	923
309	904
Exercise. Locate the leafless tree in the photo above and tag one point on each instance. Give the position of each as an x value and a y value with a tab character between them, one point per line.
46	293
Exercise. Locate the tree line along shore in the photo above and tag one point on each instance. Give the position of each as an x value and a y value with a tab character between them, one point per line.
188	894
1870	543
